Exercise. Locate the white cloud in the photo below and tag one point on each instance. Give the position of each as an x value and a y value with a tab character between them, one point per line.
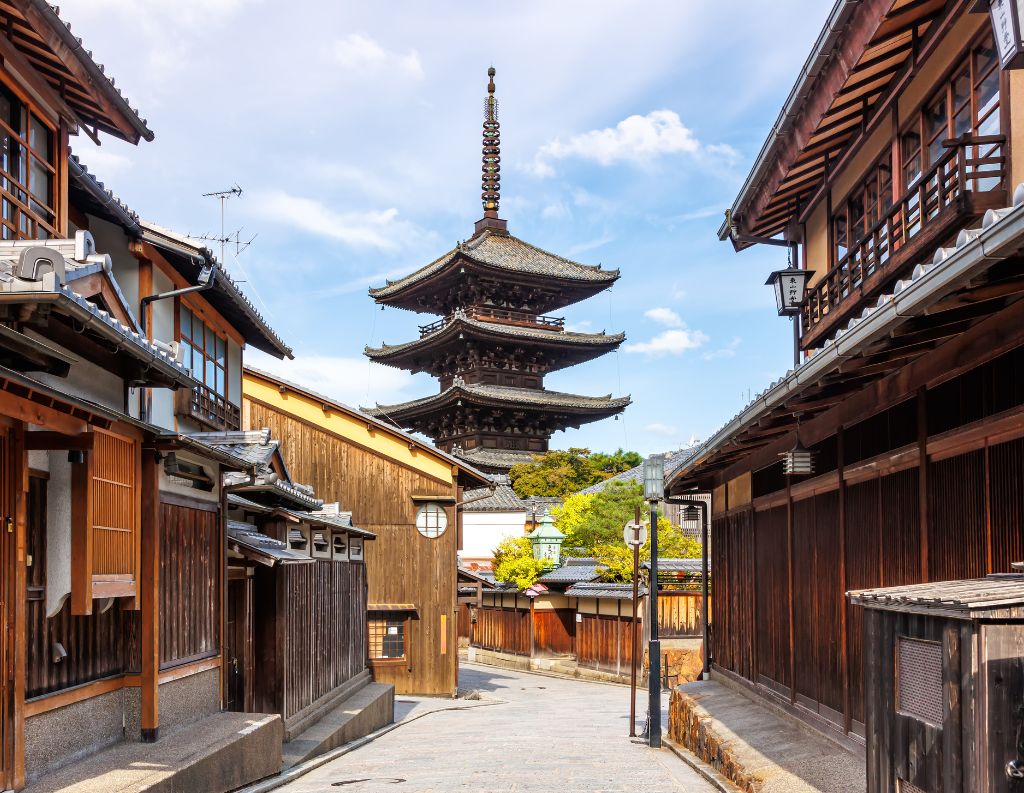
657	428
558	211
377	229
358	55
583	326
352	381
589	245
665	316
728	351
636	139
670	342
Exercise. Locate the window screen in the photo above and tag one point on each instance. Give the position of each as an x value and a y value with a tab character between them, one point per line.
387	635
919	680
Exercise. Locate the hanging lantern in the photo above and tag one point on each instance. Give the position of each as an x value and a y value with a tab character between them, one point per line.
790	288
654	477
1006	28
798	461
689	513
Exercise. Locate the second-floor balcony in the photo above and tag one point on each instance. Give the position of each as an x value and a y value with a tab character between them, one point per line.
968	179
502	316
209	408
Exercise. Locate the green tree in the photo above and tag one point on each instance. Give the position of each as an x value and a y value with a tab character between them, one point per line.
555	473
617	462
514	563
617	559
599	519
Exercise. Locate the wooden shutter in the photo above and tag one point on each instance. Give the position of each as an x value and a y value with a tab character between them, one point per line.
105	521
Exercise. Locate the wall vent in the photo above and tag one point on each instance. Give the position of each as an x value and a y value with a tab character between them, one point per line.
907	787
919	682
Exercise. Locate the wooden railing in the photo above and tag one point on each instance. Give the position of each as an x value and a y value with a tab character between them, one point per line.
211	408
969	167
501	315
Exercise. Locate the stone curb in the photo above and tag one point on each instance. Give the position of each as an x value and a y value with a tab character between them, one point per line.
559	676
295	772
713	777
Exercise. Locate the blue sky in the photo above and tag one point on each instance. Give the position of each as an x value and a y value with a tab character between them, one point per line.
354	130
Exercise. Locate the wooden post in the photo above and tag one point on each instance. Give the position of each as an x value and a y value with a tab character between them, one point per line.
81	536
789	565
19	594
632	634
843	616
922	479
149	584
222	530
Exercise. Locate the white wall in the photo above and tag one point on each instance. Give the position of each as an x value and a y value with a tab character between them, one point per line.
482	532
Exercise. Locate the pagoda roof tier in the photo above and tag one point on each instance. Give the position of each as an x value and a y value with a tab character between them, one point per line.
554	280
495	460
568	348
510	397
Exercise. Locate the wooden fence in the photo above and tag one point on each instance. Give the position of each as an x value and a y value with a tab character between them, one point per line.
505	630
603	642
679	614
554	631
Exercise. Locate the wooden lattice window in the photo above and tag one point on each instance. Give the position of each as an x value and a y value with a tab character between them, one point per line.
28	172
387	636
106	515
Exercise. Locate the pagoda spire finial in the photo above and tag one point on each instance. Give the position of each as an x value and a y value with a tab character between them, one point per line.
491	178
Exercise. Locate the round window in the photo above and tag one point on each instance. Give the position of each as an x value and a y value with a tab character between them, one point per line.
431	520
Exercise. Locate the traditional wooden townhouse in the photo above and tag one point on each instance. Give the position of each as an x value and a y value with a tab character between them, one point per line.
113	561
892	453
296	642
406	492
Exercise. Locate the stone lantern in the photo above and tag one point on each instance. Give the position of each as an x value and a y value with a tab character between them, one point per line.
547	540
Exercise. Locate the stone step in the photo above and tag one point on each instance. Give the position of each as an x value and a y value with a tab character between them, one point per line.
367	710
216	754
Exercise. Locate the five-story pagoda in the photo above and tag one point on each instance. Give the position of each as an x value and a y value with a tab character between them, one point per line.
495	341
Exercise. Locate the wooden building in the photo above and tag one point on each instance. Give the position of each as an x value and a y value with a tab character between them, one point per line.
113	559
943	685
296	637
494	343
892	169
404	491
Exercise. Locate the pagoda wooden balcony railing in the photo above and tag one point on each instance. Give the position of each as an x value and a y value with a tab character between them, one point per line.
210	408
968	179
504	316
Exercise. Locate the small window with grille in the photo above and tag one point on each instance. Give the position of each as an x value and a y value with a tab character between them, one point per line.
919	680
908	787
386	635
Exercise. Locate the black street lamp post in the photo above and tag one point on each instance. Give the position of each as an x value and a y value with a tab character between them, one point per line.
654	491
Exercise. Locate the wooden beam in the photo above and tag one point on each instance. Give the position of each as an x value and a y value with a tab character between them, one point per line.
81	536
149	582
19	469
56	441
922	478
30	77
23	409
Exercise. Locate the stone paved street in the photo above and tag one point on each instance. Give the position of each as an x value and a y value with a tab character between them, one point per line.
543	734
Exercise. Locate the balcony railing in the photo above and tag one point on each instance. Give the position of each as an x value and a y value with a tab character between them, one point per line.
211	409
501	315
954	189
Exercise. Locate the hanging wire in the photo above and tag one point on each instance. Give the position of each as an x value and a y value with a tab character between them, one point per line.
618	373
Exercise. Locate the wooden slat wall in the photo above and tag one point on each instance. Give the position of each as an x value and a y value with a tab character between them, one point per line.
115	499
325	641
190	578
679	615
99	645
863	571
465	621
957	546
1006	497
402	565
732	549
502	630
554	631
901	528
604	643
772	595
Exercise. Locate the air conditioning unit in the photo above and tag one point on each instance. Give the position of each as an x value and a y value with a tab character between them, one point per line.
172	348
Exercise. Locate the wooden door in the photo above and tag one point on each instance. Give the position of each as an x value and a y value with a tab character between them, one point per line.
238	645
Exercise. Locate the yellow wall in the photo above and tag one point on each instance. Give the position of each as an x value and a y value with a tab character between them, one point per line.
349	426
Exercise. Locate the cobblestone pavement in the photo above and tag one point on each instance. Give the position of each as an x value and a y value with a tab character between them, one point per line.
535	733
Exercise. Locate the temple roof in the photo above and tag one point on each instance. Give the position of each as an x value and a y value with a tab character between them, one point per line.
502	251
497	459
476	328
511	396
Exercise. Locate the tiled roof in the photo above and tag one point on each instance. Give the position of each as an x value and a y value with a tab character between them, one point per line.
993	592
973	253
333	520
672	463
542	504
254	446
503	499
604	591
249	540
508	395
676	565
50	288
495	458
505	252
572	571
460	323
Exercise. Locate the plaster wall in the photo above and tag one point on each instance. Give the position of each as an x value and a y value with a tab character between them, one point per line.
162	399
482	532
58	531
85	380
551	602
234	373
170	484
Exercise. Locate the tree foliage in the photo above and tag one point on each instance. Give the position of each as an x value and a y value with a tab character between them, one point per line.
514	563
555	473
616	462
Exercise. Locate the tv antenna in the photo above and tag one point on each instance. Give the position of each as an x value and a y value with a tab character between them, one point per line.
223	196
